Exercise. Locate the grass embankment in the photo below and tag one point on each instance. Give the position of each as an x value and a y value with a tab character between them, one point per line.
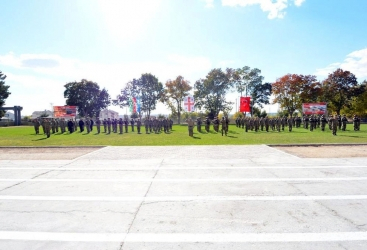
25	136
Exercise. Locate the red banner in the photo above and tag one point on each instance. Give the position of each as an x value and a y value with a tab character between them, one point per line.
245	104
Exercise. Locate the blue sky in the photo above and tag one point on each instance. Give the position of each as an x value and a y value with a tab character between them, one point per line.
46	43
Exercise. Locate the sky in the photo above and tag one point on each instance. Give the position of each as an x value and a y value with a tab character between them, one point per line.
45	44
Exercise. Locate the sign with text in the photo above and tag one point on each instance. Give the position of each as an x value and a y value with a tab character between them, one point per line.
314	108
65	111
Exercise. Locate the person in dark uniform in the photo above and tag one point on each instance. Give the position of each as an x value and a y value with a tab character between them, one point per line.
81	125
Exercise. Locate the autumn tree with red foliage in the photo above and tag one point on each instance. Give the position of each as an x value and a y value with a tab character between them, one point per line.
339	89
291	90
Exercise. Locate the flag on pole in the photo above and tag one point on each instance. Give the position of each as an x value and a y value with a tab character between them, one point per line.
245	104
134	104
189	103
130	105
138	104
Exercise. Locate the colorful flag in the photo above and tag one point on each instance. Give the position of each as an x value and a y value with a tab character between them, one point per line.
138	104
245	104
189	103
134	104
131	107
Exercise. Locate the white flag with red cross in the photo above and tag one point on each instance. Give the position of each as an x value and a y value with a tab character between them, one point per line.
189	103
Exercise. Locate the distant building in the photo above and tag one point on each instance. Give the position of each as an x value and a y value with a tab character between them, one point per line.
9	116
107	113
36	114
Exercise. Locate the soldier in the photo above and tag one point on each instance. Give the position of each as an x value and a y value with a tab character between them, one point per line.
278	123
70	126
43	125
216	124
224	126
81	125
190	124
146	125
243	120
132	124
36	125
207	124
334	124
47	124
87	124
53	125
98	124
344	123
355	123
307	120
126	125
138	125
323	122
266	123
198	124
312	122
91	124
75	125
262	123
109	123
256	124
283	122
290	123
340	122
104	125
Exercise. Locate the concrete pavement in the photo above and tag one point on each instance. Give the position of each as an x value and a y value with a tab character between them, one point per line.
189	197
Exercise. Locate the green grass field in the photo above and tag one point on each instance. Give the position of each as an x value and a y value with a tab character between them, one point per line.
25	136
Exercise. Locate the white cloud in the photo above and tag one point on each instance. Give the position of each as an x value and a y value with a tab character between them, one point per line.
35	85
355	62
298	2
209	3
275	8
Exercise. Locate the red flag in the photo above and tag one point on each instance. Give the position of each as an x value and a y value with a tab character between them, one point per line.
134	104
245	104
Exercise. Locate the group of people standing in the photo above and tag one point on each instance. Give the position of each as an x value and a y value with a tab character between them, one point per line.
54	125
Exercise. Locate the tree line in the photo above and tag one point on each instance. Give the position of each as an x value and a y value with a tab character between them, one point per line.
340	90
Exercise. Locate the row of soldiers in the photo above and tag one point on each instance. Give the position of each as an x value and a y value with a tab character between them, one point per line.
150	124
55	125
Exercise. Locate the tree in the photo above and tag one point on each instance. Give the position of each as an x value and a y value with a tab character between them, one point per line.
147	88
87	96
174	94
291	90
339	89
210	92
4	93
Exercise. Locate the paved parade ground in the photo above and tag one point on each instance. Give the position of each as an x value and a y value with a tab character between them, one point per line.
181	197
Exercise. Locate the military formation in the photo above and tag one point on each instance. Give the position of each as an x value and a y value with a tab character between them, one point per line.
311	122
157	125
110	125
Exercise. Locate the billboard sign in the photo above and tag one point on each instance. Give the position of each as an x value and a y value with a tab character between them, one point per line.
319	108
65	111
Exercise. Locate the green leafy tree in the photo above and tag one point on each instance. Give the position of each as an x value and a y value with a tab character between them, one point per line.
210	92
87	96
174	94
147	88
4	93
339	89
249	81
358	104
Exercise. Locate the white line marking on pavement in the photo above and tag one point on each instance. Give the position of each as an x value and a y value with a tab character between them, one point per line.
193	180
183	198
178	237
177	168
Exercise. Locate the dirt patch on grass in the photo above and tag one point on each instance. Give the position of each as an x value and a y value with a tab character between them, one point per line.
23	153
326	151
